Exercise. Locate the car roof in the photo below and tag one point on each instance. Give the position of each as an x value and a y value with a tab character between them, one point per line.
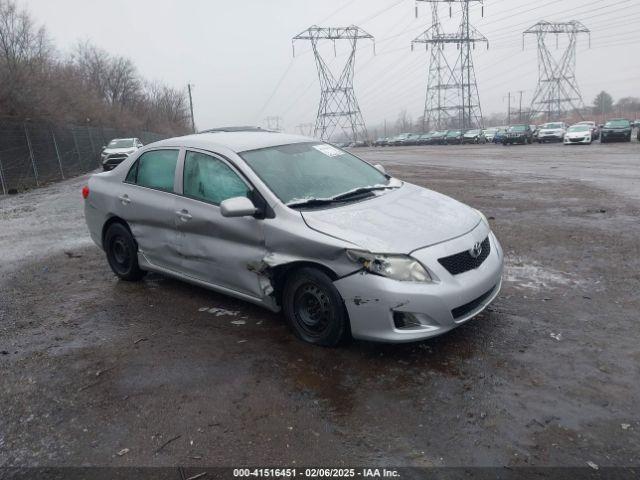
235	140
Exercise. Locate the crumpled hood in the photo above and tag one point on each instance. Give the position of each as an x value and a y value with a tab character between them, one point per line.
399	221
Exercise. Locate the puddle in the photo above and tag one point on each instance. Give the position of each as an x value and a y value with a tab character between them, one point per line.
531	275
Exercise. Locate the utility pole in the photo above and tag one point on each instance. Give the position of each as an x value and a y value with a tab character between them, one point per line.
508	108
338	108
452	90
193	122
557	92
520	106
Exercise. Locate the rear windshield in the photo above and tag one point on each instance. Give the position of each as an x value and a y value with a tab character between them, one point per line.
518	128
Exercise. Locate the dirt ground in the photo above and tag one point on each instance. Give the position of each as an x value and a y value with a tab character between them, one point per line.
549	375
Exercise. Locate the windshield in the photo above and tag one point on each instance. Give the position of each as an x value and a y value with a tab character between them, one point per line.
553	125
492	130
617	124
473	132
453	133
302	171
121	143
579	128
518	128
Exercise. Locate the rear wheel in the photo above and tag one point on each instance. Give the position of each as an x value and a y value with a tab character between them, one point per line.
122	253
314	308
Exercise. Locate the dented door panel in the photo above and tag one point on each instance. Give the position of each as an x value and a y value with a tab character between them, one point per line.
150	215
216	249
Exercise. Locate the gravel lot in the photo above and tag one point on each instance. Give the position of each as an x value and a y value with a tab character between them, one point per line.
549	375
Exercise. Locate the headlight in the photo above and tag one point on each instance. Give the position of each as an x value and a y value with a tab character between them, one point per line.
397	267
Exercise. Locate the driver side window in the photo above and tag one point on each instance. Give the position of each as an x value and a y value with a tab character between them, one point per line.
209	179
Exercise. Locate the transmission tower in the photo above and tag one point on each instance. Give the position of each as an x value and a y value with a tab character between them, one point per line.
338	108
274	123
557	92
305	129
452	91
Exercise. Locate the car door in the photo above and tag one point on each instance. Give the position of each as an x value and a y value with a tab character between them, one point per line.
217	249
147	203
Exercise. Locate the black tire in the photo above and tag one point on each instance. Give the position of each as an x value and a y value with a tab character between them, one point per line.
314	308
602	140
122	253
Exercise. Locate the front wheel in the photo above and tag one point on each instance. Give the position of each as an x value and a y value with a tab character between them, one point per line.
314	308
122	253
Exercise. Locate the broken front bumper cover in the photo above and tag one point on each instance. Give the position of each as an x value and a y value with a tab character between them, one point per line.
382	309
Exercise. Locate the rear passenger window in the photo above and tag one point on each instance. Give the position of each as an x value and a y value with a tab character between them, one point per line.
211	180
155	169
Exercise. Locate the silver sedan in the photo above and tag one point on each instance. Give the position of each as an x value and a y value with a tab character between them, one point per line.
298	226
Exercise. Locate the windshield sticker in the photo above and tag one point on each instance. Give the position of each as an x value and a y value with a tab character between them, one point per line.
328	150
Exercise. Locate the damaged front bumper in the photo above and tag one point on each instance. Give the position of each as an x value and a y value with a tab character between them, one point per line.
382	309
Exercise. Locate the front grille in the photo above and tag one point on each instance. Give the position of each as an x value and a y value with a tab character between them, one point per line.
463	261
467	308
115	159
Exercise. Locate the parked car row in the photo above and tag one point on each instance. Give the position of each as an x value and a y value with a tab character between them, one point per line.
582	132
436	137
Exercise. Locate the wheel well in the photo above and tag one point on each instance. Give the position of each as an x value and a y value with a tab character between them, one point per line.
110	222
280	273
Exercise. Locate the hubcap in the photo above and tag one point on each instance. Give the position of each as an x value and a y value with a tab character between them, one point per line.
312	309
120	253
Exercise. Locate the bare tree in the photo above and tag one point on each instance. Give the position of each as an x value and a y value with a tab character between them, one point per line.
24	59
404	122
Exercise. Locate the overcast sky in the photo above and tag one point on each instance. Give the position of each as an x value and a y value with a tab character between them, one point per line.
237	52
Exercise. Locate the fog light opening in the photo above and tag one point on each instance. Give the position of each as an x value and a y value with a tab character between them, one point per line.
406	320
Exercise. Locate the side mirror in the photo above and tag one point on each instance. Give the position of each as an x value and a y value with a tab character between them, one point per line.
380	167
237	207
104	147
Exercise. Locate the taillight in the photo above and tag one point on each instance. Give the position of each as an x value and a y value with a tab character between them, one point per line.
85	192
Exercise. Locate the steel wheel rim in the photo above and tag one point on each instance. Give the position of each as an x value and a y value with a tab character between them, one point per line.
312	309
120	254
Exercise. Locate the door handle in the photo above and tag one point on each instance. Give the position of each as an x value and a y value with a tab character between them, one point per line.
124	198
184	215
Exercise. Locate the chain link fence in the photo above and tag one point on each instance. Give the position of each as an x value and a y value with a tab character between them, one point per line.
33	154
